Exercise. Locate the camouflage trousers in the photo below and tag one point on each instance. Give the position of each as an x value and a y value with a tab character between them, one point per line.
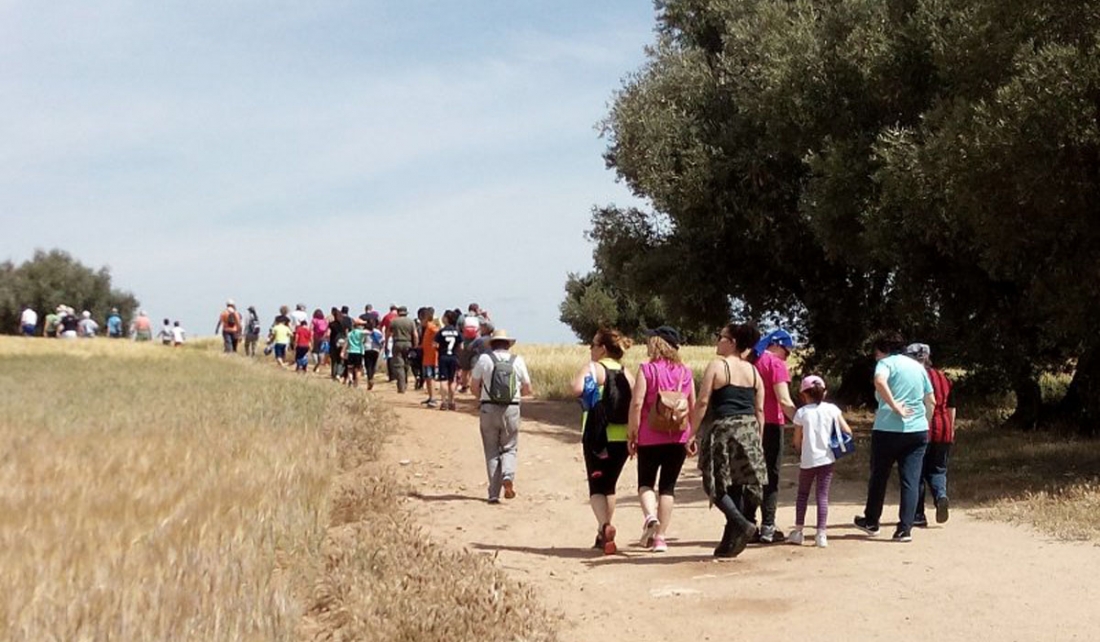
730	454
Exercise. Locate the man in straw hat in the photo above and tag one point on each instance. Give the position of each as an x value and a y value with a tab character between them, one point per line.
499	380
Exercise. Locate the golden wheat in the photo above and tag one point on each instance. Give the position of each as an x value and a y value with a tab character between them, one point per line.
151	493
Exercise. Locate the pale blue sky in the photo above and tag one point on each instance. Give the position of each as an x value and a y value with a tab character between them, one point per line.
424	153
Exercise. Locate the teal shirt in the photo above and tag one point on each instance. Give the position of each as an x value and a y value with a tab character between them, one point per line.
355	341
909	382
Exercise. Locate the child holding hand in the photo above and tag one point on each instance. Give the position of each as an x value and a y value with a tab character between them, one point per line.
815	423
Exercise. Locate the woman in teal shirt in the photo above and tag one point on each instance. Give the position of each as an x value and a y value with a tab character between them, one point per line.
900	434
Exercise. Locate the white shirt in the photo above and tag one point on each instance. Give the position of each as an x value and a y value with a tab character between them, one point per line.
178	335
29	317
298	316
818	422
483	372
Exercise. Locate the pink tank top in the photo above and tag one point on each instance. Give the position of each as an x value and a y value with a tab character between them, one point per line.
663	375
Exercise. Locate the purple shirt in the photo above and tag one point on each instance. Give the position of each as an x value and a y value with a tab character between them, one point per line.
772	370
663	375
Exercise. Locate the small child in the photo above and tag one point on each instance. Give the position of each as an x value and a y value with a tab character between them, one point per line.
166	333
814	425
280	339
179	336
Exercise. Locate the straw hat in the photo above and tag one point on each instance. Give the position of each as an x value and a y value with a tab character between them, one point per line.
501	336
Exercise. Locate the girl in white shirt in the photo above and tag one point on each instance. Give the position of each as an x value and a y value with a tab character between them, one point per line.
814	424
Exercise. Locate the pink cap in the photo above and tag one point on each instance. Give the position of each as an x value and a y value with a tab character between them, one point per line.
812	381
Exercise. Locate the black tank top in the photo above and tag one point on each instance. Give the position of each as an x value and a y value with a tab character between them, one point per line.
731	400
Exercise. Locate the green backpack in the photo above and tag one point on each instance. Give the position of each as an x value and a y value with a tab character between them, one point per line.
501	388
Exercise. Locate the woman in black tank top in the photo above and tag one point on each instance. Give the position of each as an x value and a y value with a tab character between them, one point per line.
730	409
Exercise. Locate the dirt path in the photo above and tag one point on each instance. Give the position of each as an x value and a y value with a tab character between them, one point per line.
970	580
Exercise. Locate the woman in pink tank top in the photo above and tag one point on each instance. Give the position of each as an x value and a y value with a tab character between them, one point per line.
661	446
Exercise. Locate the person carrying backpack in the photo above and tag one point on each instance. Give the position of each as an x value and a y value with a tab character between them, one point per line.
229	324
252	330
604	426
660	430
499	380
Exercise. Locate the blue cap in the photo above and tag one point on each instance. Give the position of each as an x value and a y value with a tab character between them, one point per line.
775	337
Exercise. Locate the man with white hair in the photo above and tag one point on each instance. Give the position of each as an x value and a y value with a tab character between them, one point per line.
941	436
88	326
28	321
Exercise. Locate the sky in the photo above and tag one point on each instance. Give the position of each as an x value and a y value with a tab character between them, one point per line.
327	153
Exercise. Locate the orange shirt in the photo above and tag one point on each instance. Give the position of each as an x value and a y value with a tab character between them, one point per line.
428	346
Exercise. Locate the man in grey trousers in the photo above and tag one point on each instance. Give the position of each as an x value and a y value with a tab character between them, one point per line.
500	379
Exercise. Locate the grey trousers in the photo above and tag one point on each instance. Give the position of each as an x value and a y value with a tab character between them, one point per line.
500	437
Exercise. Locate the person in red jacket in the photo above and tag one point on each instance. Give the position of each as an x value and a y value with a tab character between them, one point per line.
303	341
941	435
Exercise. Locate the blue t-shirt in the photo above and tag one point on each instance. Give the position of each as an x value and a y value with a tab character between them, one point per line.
114	325
909	382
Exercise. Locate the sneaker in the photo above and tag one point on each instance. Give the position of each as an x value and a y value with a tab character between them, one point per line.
659	544
796	537
599	540
920	521
942	510
863	525
649	531
494	500
608	533
509	489
902	536
431	403
821	540
769	534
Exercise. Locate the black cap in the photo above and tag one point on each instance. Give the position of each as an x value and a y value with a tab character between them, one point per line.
670	334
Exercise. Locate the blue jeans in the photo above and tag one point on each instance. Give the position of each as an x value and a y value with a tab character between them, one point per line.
934	474
229	341
906	449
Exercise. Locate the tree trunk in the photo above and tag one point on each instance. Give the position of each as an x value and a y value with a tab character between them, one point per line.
1029	404
1081	405
857	385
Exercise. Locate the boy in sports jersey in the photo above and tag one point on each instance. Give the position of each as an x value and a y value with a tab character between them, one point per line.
448	342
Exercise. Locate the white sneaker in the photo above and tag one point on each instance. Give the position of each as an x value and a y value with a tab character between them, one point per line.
795	537
649	531
822	540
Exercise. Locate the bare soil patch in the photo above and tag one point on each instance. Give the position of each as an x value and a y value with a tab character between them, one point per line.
971	578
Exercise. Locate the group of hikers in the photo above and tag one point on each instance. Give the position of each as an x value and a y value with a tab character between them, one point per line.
65	323
438	352
734	422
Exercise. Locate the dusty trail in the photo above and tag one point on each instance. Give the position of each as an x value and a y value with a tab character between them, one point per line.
972	579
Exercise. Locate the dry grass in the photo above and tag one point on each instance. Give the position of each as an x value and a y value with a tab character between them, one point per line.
1047	480
156	494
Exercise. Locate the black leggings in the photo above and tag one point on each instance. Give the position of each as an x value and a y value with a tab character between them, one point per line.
370	362
669	458
603	473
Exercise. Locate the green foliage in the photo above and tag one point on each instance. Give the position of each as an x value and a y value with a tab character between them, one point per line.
591	303
55	278
929	166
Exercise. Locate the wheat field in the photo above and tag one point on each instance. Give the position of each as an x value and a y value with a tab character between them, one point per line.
151	493
552	367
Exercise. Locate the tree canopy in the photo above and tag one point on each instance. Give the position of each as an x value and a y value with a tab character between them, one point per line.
927	166
55	278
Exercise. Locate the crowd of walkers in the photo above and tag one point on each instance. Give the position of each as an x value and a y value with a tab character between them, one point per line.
455	352
735	424
65	323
